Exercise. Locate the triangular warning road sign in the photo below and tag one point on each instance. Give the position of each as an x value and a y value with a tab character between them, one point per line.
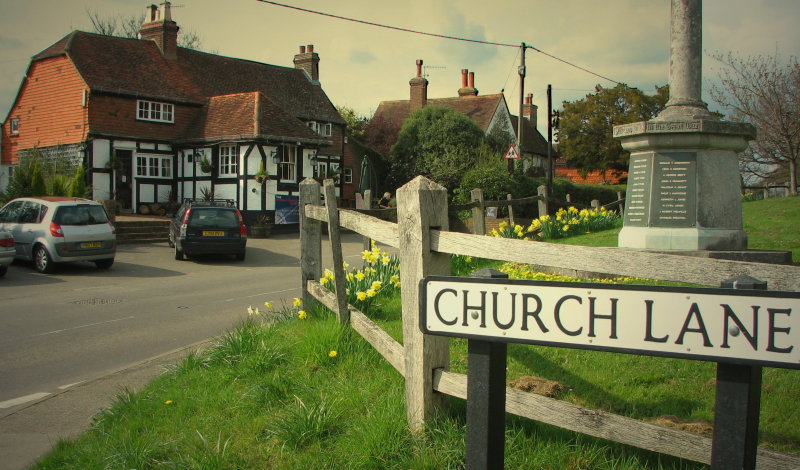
512	153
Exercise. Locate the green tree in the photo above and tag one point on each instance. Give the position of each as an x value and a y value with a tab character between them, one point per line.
585	133
439	143
77	187
38	186
356	123
766	93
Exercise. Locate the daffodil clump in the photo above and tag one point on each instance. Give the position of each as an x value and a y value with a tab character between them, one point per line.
506	230
565	223
572	221
527	272
380	275
293	310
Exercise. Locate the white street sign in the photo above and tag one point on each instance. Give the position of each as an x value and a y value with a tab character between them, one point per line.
722	325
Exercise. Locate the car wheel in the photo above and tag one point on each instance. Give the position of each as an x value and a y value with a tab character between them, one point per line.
3	270
104	263
240	256
178	253
42	260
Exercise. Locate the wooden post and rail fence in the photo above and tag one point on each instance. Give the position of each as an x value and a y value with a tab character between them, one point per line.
425	245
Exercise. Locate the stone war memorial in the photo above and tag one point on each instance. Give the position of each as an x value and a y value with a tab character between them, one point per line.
683	176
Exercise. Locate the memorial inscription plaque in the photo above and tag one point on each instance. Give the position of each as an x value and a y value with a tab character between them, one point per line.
662	190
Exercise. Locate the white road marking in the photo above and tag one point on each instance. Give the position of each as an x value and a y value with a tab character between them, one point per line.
21	400
64	387
263	294
82	326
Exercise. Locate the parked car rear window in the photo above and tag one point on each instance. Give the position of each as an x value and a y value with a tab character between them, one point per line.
80	215
214	218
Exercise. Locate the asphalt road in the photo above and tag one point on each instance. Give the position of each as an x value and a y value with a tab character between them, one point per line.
60	330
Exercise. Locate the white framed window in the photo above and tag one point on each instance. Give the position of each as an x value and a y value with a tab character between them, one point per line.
153	166
326	129
228	160
155	111
14	126
321	170
287	170
348	175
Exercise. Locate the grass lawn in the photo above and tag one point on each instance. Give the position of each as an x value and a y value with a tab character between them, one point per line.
306	393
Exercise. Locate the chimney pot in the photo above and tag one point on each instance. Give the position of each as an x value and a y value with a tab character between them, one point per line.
472	79
464	73
529	98
302	49
419	67
310	48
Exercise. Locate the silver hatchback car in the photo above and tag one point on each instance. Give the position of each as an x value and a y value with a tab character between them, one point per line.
50	230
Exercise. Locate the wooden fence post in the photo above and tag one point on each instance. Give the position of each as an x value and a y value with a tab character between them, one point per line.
310	238
421	205
621	204
542	192
510	212
335	237
367	205
478	213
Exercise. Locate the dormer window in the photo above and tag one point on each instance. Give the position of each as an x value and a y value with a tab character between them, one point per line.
155	111
14	126
321	128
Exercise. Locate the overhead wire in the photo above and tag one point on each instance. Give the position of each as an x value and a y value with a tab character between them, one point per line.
442	36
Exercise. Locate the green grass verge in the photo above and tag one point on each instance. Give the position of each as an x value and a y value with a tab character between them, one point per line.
274	396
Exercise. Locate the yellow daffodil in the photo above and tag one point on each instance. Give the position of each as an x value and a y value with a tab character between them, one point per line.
349	277
360	276
302	314
324	281
362	296
333	353
376	285
371	293
297	302
268	305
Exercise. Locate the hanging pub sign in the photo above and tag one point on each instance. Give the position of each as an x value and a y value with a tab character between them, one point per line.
721	325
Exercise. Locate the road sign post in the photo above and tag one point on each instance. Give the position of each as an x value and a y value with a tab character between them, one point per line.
739	328
486	410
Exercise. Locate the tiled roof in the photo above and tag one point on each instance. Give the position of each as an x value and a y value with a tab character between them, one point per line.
385	125
133	67
250	115
532	139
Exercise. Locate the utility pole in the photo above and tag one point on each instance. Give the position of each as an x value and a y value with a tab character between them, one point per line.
549	139
521	102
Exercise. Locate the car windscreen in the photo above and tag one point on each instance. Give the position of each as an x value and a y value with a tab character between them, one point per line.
222	218
83	214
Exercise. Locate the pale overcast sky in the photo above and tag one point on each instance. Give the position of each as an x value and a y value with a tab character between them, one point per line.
360	65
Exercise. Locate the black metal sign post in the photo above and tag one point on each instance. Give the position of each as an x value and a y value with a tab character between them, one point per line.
736	411
486	405
486	397
756	326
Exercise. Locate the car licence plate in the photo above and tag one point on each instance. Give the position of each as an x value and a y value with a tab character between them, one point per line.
91	244
213	233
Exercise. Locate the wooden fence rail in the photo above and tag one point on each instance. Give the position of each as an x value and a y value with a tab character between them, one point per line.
425	245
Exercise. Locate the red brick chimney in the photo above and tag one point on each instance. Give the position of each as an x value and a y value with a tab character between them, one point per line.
159	27
467	84
530	110
308	60
419	89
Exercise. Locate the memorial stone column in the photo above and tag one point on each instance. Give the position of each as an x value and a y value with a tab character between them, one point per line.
683	177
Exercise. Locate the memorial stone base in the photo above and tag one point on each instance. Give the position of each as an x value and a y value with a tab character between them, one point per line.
683	184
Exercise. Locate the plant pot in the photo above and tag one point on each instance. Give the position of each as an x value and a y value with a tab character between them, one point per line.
260	231
262	179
